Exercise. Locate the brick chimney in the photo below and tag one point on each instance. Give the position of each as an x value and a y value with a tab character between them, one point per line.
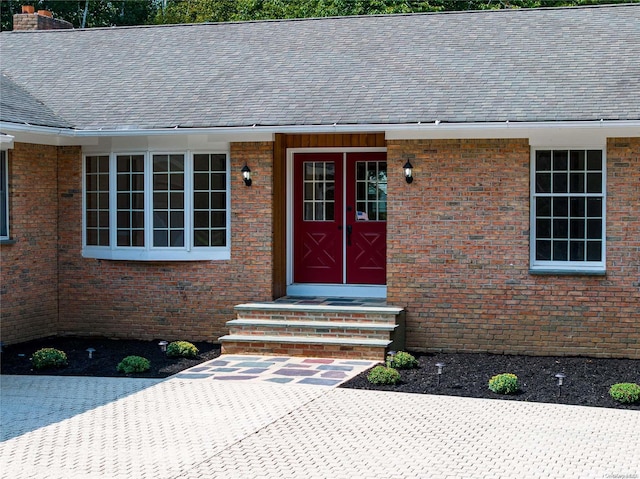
40	20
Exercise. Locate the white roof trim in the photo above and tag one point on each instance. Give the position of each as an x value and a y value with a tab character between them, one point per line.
394	131
6	141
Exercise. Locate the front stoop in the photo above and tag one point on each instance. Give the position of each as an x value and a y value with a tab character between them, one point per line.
349	332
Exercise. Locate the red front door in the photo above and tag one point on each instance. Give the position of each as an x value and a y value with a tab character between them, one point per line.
340	212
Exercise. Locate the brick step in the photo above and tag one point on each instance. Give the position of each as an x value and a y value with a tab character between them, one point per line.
305	346
319	330
348	314
326	329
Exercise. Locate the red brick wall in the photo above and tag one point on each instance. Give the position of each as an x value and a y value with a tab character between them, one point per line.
170	300
458	252
28	268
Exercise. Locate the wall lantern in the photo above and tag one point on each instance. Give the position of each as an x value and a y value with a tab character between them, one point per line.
246	175
408	171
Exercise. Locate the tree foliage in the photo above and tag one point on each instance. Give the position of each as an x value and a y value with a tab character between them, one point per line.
105	13
100	13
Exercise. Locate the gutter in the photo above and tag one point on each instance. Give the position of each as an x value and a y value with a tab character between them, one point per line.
335	128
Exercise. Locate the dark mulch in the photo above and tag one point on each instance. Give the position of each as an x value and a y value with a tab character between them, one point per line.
587	380
109	352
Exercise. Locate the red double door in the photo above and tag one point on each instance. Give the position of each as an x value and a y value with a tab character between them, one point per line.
340	218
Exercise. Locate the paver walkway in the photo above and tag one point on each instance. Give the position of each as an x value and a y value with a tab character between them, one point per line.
98	428
278	369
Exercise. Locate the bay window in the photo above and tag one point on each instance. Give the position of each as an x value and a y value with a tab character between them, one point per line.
156	206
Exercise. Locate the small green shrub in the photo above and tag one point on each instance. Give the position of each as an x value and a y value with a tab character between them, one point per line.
49	358
383	375
133	364
403	360
181	349
505	383
626	393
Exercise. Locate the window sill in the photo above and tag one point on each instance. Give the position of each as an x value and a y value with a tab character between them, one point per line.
564	272
7	241
158	255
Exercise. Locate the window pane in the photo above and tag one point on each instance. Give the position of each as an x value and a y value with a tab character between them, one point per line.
560	160
201	219
176	238
576	251
543	182
201	237
218	219
577	229
578	207
201	181
543	161
160	238
560	228
543	206
219	162
560	207
543	228
218	238
560	250
559	182
594	229
218	181
594	183
594	160
576	161
576	181
594	251
201	162
201	201
594	207
543	250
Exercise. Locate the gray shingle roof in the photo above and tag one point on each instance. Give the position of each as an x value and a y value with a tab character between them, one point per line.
517	65
19	106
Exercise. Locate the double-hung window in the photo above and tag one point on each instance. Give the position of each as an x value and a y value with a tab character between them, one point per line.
156	206
4	197
568	211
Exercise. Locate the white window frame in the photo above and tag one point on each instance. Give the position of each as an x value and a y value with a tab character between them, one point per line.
148	252
566	267
4	164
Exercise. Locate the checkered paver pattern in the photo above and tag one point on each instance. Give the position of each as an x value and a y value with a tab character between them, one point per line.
279	370
67	427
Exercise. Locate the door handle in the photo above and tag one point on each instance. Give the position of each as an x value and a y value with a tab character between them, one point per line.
349	231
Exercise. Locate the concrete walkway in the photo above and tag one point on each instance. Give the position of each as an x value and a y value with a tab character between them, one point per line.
77	427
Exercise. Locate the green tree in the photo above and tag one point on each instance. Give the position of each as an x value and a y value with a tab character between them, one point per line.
100	13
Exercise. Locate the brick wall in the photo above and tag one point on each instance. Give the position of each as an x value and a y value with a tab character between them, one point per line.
28	268
170	300
458	252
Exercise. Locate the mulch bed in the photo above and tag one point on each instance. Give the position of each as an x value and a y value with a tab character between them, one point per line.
587	380
109	352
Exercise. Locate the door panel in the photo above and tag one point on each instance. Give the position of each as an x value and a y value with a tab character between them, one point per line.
366	218
318	235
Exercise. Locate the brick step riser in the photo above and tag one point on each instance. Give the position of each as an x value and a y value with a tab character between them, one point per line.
322	317
305	350
290	330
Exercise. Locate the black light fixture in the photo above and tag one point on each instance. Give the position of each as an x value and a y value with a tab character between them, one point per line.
246	175
408	171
